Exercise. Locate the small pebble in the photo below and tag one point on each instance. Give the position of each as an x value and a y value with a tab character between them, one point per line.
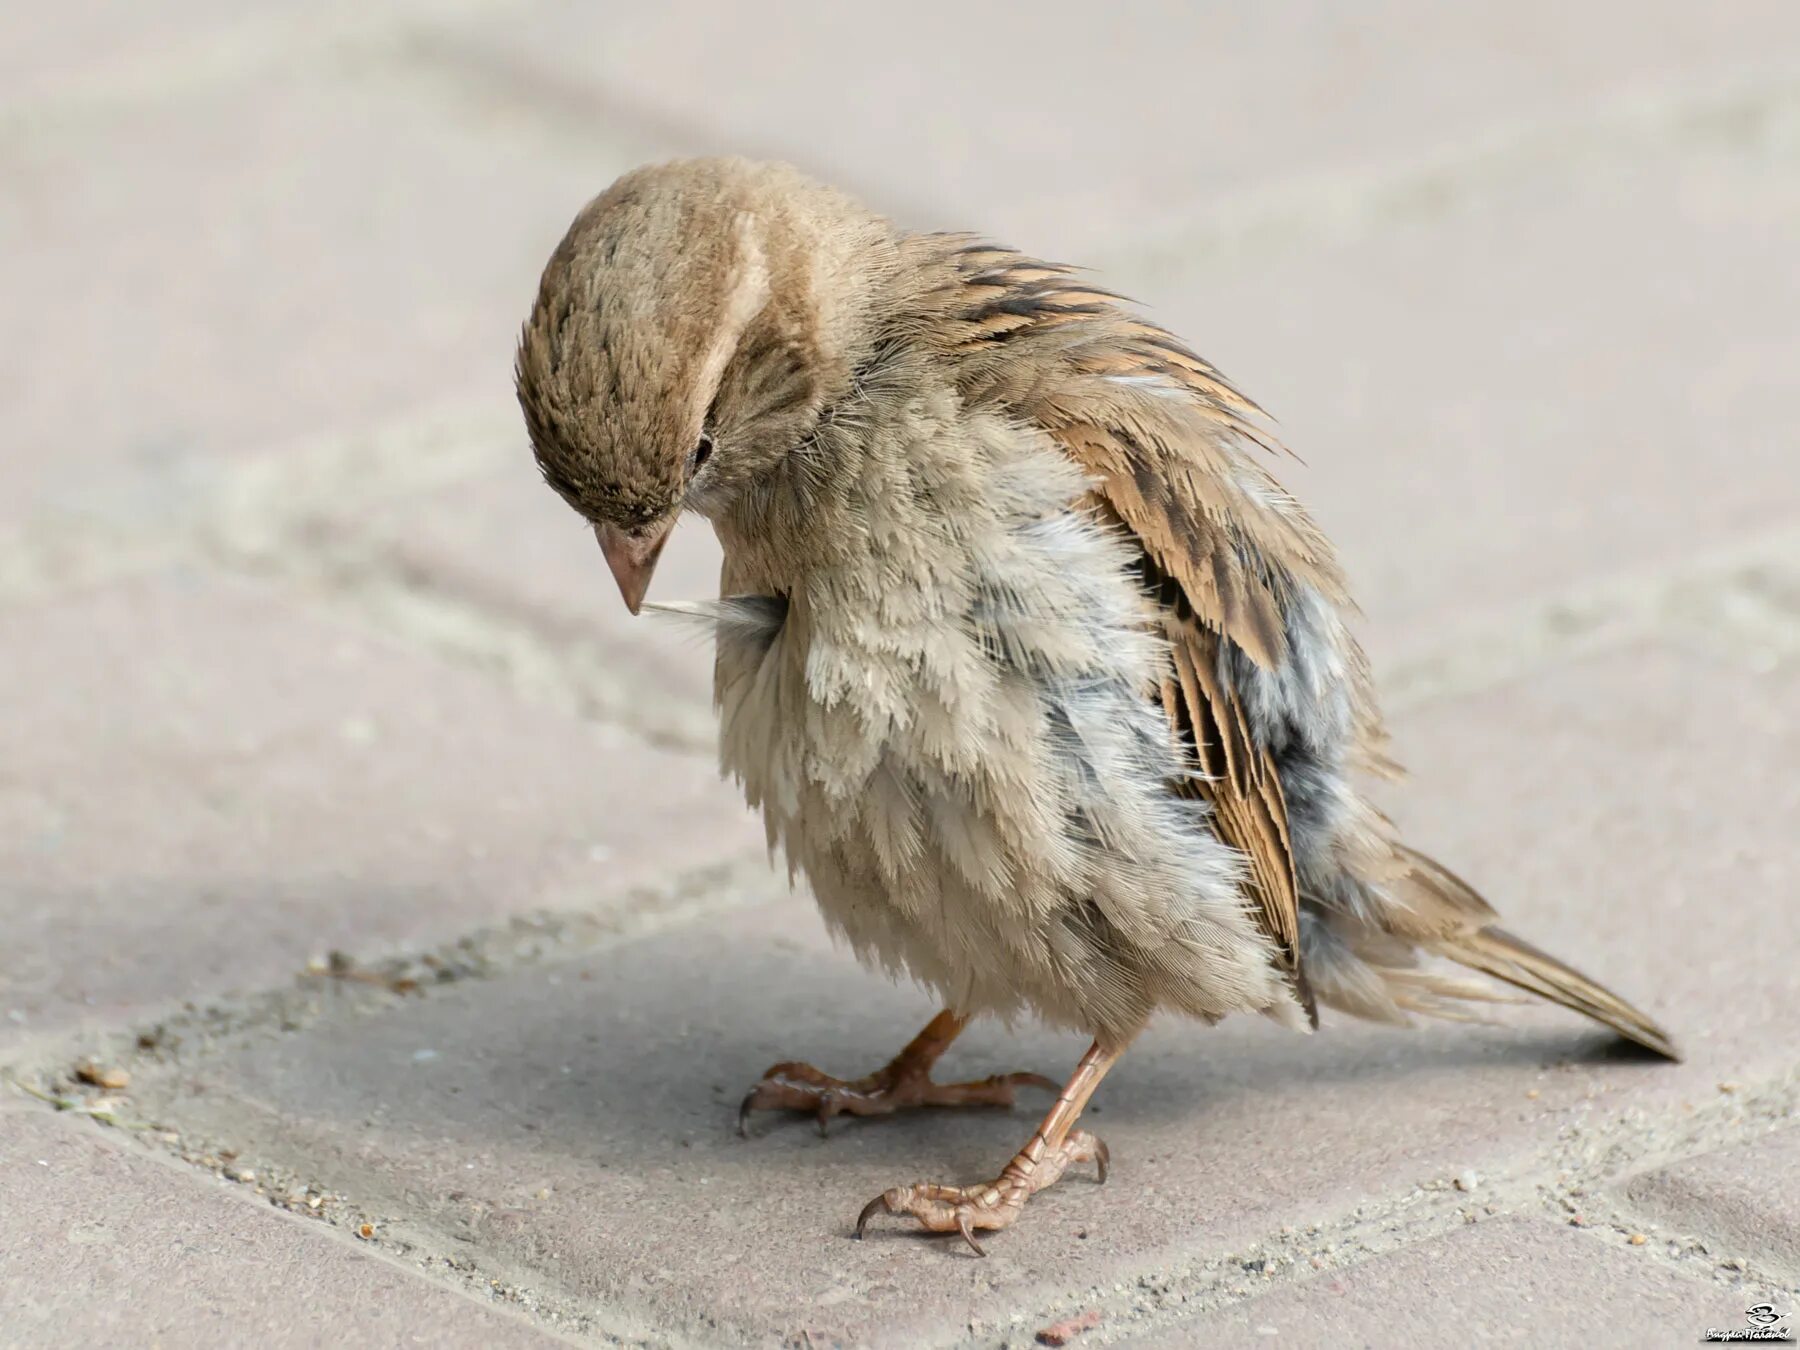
1061	1333
1638	1239
112	1079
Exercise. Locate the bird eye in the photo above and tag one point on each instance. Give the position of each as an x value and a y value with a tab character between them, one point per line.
702	453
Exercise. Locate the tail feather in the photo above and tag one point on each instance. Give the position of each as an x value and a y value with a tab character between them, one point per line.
1363	957
1373	975
1442	996
1495	952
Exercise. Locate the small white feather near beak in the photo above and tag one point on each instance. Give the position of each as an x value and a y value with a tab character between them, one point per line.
738	620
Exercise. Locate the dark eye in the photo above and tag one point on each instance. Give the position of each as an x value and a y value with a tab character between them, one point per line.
702	453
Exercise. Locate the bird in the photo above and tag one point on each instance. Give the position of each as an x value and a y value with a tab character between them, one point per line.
1041	682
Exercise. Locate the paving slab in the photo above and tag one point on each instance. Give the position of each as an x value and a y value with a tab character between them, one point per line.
41	42
1502	1282
1074	127
1743	1202
105	1245
260	262
581	1128
105	54
211	784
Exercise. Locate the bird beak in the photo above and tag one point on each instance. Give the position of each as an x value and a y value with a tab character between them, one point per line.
632	556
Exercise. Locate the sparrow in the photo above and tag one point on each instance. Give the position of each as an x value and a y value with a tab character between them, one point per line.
1037	676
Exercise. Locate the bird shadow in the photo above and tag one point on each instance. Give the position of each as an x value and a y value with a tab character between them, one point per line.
647	1051
1180	1073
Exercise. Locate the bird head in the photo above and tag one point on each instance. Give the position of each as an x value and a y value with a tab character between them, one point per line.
688	332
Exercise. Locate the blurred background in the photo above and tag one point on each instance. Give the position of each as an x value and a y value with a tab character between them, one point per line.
297	655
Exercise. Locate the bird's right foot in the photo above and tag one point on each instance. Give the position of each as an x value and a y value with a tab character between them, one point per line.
965	1209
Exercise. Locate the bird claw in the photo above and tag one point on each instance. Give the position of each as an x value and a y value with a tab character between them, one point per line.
744	1109
967	1230
887	1200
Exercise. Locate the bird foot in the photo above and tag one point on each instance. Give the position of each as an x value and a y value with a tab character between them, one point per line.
964	1209
800	1087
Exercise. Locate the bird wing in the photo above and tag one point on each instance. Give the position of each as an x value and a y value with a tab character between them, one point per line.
1169	446
1173	453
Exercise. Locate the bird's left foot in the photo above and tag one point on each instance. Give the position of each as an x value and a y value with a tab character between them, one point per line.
905	1081
965	1209
800	1087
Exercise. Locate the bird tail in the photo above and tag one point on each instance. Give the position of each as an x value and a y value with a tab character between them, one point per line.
1497	953
1362	957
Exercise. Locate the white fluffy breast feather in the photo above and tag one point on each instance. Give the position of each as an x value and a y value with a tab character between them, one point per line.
952	730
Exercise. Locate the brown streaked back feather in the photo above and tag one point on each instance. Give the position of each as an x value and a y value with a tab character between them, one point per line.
1240	784
1160	430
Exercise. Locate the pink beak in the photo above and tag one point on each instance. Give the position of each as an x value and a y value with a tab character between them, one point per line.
632	556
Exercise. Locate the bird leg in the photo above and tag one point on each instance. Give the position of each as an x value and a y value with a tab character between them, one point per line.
995	1204
904	1081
